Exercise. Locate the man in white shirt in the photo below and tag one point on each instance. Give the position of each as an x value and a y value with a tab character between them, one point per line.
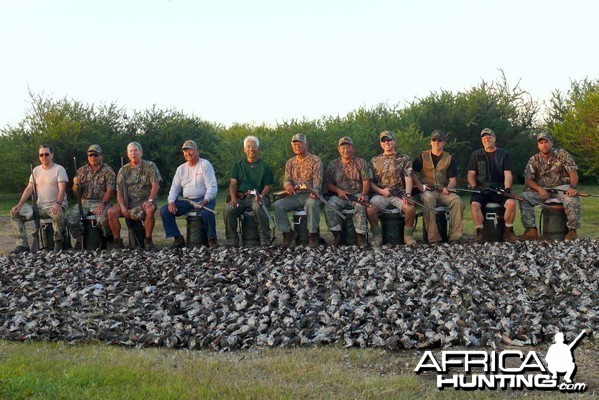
197	181
50	186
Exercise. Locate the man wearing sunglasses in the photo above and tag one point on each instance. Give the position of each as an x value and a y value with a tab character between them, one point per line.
96	182
50	185
439	173
392	185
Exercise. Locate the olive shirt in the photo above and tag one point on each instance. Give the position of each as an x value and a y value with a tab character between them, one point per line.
253	175
138	181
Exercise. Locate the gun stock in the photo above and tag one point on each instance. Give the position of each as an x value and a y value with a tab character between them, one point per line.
81	238
304	186
35	245
365	203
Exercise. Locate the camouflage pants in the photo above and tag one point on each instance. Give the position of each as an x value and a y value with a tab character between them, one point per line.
456	214
73	218
334	221
18	223
571	206
299	200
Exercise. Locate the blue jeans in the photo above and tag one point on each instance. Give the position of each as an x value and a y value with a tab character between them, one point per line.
169	222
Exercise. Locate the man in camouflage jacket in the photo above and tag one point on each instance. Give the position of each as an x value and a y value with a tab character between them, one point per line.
550	169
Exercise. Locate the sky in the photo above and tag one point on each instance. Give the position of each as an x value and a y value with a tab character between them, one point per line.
269	61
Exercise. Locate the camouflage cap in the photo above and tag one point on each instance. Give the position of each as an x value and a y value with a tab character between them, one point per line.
298	137
438	134
136	214
387	134
487	131
544	135
95	147
189	144
345	140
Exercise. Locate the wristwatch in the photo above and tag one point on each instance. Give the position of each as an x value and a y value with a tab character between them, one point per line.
150	200
573	187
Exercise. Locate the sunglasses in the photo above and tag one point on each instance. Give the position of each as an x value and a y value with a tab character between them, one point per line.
437	140
92	154
44	155
383	140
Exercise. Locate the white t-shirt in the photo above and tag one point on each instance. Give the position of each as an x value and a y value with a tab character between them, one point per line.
195	181
46	182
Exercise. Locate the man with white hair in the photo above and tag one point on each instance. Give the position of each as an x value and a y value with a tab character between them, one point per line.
250	184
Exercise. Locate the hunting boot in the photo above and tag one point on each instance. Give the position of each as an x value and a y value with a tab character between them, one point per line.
116	244
58	245
479	238
571	235
289	238
312	239
530	234
178	243
149	244
408	236
20	249
377	233
336	238
212	243
508	235
361	240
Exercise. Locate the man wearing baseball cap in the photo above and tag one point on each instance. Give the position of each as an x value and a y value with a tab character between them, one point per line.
551	173
348	175
392	185
491	167
302	171
439	172
196	180
96	182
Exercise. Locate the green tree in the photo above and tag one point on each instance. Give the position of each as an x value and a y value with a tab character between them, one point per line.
573	120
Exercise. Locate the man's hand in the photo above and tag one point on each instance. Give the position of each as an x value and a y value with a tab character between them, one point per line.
571	192
543	194
15	210
342	194
289	188
386	192
172	208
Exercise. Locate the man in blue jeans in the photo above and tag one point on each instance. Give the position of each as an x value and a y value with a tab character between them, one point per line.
196	179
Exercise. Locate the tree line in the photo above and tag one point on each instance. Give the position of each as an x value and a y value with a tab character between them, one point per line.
70	126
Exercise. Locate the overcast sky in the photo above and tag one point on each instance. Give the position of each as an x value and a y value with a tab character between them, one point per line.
272	60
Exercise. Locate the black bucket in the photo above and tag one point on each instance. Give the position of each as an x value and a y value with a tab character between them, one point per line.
92	234
249	230
197	235
137	234
47	234
493	222
300	225
553	221
392	223
442	219
348	231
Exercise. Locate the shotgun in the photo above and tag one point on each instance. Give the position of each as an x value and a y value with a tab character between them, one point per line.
35	246
80	206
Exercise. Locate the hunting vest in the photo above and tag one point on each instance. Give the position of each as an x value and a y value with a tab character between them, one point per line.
432	175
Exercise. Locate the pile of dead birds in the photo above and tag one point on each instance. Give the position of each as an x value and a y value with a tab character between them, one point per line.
392	297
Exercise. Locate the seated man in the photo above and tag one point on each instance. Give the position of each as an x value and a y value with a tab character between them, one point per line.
137	184
250	174
439	173
348	175
196	179
551	173
393	186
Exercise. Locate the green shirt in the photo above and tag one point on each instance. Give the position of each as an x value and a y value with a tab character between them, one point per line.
250	176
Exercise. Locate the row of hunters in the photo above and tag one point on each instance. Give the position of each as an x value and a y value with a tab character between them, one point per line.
356	197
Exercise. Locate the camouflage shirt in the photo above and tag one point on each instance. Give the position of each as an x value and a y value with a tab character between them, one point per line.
550	171
308	171
389	169
95	184
138	181
348	176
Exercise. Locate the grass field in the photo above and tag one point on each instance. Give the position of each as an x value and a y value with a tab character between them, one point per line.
96	371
